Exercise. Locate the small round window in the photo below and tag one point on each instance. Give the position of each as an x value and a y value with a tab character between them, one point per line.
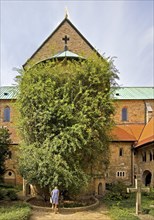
10	173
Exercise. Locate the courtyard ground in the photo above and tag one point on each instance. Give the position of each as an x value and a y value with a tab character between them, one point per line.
100	213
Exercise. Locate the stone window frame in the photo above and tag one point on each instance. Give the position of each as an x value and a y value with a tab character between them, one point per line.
144	156
120	174
121	152
7	114
124	114
9	173
151	155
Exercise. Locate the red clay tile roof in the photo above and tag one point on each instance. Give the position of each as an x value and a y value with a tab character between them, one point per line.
147	136
141	134
127	132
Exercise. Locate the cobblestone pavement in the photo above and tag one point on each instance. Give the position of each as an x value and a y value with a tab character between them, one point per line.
99	213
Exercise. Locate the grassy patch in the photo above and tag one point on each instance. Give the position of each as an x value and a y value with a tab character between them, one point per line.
119	213
147	200
15	211
124	209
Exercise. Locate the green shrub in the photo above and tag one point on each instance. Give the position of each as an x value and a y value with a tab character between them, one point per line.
151	194
152	211
20	211
8	193
117	192
3	193
12	195
4	185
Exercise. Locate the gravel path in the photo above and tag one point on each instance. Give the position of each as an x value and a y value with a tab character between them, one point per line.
99	213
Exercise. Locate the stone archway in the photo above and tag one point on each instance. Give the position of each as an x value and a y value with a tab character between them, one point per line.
147	177
100	189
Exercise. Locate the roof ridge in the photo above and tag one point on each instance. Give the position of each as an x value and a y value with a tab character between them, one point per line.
132	132
8	86
144	128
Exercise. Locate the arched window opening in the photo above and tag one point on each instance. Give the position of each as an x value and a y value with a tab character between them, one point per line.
6	114
147	177
120	152
124	114
150	155
144	156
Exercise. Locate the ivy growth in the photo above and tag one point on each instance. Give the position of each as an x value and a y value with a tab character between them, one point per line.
66	113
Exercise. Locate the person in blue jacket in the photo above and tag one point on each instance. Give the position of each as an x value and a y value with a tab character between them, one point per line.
55	198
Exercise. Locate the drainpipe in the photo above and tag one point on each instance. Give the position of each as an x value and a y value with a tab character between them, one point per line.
132	163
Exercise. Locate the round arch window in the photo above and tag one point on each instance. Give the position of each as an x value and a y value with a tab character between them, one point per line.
9	173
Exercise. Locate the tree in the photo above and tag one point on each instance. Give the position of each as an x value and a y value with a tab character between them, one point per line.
66	113
4	149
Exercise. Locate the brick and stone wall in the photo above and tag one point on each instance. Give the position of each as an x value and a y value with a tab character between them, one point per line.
55	44
120	168
144	161
11	165
12	175
136	111
13	123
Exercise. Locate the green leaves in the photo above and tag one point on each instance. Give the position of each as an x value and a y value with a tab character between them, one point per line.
65	113
4	148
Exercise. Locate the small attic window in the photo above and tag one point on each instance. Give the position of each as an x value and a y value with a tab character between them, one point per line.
6	93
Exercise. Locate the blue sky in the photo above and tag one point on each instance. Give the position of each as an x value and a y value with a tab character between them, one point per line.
122	29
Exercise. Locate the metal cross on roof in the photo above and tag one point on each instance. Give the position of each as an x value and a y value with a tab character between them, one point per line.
65	39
